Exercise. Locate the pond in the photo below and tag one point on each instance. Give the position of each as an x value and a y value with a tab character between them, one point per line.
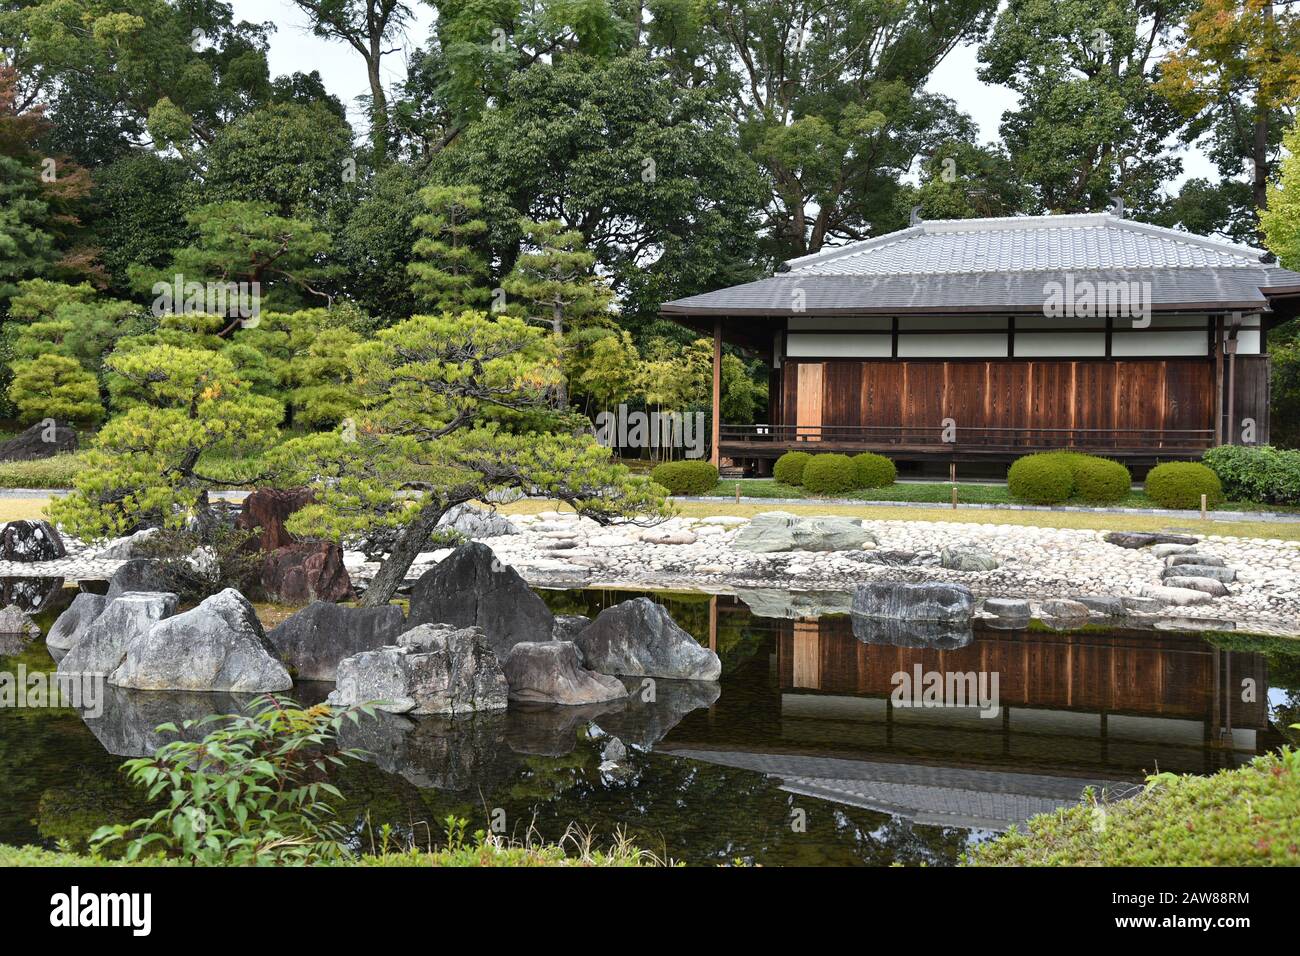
803	754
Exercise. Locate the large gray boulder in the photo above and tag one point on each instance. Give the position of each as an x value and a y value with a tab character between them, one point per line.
313	641
471	588
30	541
967	559
1145	539
217	646
775	531
102	646
137	574
433	669
903	601
638	638
548	672
127	547
476	523
569	626
74	622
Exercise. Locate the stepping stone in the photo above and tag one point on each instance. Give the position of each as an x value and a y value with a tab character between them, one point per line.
1105	604
1144	539
1226	575
1208	585
1064	609
1179	597
1165	550
1141	605
1204	560
1014	608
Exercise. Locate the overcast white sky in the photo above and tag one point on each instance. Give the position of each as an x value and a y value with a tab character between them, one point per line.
293	47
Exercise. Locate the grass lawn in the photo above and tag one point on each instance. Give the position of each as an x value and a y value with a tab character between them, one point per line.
1098	521
940	492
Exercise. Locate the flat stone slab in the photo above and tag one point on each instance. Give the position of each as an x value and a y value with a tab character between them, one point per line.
1144	539
1226	575
1209	585
1179	597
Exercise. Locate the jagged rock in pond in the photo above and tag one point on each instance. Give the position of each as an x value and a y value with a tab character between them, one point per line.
137	574
569	626
1144	539
434	669
73	623
774	531
127	617
471	588
17	631
34	595
39	441
614	752
781	603
967	559
905	601
265	511
551	730
460	754
1210	586
655	707
1064	612
217	646
549	672
940	635
639	638
1225	575
476	523
305	572
130	546
30	541
1008	613
313	641
126	722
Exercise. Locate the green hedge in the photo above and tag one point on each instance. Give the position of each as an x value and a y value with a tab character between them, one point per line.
1180	484
830	474
1257	473
1048	478
686	477
1043	479
1100	480
1244	817
873	471
57	471
789	467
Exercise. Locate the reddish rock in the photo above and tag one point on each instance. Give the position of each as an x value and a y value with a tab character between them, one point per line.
268	509
306	571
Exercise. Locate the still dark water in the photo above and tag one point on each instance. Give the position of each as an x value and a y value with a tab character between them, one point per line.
798	756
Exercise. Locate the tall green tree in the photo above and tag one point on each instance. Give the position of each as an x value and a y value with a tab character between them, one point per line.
370	27
1236	75
554	284
449	272
1090	123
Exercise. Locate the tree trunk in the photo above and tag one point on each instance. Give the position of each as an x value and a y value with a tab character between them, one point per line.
557	326
378	109
409	544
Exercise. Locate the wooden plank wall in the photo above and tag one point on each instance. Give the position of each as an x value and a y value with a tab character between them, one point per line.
1053	393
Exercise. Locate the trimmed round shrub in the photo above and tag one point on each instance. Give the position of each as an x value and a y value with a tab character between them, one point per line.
789	467
1100	480
1180	484
873	471
1044	479
686	477
830	474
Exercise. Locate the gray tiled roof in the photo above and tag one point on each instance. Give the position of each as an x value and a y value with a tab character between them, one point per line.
1025	244
1004	264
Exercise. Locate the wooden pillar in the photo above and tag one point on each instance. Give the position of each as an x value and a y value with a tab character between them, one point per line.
1218	379
717	391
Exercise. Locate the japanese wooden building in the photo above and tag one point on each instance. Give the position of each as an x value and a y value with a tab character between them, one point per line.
982	339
